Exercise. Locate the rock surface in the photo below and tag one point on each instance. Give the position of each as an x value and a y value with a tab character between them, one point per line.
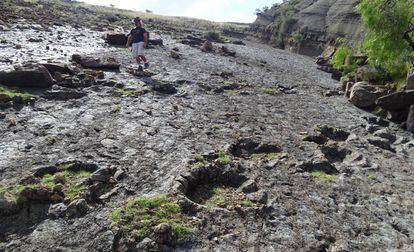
336	191
318	21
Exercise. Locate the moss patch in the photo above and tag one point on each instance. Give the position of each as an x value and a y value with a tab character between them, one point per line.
13	93
322	176
138	217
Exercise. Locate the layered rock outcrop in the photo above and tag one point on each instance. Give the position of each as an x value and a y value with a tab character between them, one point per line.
308	25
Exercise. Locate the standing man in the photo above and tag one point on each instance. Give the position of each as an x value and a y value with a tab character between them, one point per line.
138	37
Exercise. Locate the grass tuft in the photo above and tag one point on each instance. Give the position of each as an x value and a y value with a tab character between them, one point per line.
139	216
224	158
323	176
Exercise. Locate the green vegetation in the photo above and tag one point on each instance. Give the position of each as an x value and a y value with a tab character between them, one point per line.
48	180
138	217
323	176
73	191
285	20
223	158
14	191
270	91
131	91
235	84
389	41
117	107
247	203
13	93
200	161
344	59
71	188
215	127
217	199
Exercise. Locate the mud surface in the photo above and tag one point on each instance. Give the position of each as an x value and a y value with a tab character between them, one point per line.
273	96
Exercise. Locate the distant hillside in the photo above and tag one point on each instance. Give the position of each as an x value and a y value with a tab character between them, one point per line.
73	13
306	26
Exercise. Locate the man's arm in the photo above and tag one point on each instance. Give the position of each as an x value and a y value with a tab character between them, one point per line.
129	42
145	39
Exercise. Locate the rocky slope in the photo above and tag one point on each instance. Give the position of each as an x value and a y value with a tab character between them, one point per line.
317	21
256	151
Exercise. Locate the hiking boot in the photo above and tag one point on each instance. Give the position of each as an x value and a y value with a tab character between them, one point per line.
146	65
140	69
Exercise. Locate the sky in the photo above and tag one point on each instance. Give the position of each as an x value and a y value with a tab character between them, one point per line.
214	10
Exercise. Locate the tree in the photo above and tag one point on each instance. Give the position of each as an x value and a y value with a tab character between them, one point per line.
389	41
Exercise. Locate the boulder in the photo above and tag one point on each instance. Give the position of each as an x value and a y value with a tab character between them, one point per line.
101	175
77	208
364	95
43	170
381	143
336	74
207	46
164	88
248	187
57	210
398	116
410	80
95	63
397	101
326	56
58	67
117	39
410	120
30	76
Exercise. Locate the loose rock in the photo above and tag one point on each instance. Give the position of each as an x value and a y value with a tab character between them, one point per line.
364	95
31	76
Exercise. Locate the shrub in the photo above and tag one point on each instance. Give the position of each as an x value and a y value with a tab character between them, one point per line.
343	60
389	41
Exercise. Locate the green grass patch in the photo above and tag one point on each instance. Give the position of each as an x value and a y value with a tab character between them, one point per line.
343	60
138	217
223	158
13	93
215	127
117	108
247	203
131	91
73	191
48	180
269	91
217	199
323	176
